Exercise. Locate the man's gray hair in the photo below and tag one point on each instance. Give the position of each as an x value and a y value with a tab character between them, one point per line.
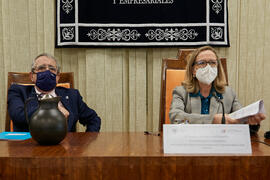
33	67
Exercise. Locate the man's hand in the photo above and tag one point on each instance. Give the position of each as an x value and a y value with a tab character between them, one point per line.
63	110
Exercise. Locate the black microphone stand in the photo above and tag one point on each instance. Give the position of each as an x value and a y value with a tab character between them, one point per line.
223	120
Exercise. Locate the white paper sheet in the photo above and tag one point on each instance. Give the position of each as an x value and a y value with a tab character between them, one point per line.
250	110
206	139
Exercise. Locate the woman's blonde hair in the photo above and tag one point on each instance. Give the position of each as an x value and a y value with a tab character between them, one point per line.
191	83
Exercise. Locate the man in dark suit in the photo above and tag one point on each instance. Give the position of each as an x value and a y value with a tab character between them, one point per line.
45	75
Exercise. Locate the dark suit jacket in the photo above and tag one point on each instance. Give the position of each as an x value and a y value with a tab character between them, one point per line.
70	98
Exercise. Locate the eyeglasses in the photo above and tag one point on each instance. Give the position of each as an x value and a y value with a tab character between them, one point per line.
203	63
44	67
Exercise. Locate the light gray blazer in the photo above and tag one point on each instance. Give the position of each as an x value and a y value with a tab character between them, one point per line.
184	107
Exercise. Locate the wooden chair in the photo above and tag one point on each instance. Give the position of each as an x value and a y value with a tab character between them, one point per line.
66	80
173	73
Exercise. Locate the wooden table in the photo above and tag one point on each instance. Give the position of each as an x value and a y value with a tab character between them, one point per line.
124	156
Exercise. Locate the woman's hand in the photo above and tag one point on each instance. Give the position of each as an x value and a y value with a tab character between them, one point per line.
256	119
218	118
252	120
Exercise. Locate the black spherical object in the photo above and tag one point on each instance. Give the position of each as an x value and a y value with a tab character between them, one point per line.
267	134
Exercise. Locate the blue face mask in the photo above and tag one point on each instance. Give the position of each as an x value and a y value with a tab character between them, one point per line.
46	80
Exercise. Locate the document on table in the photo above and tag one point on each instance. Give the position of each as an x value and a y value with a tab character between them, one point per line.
250	110
14	135
206	139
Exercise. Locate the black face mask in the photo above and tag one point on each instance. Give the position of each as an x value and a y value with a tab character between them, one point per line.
46	80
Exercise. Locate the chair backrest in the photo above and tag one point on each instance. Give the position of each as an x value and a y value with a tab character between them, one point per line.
172	75
66	80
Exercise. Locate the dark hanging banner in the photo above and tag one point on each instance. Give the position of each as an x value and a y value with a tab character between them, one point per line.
82	23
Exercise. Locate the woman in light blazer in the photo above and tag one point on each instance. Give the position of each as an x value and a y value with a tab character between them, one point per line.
197	101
